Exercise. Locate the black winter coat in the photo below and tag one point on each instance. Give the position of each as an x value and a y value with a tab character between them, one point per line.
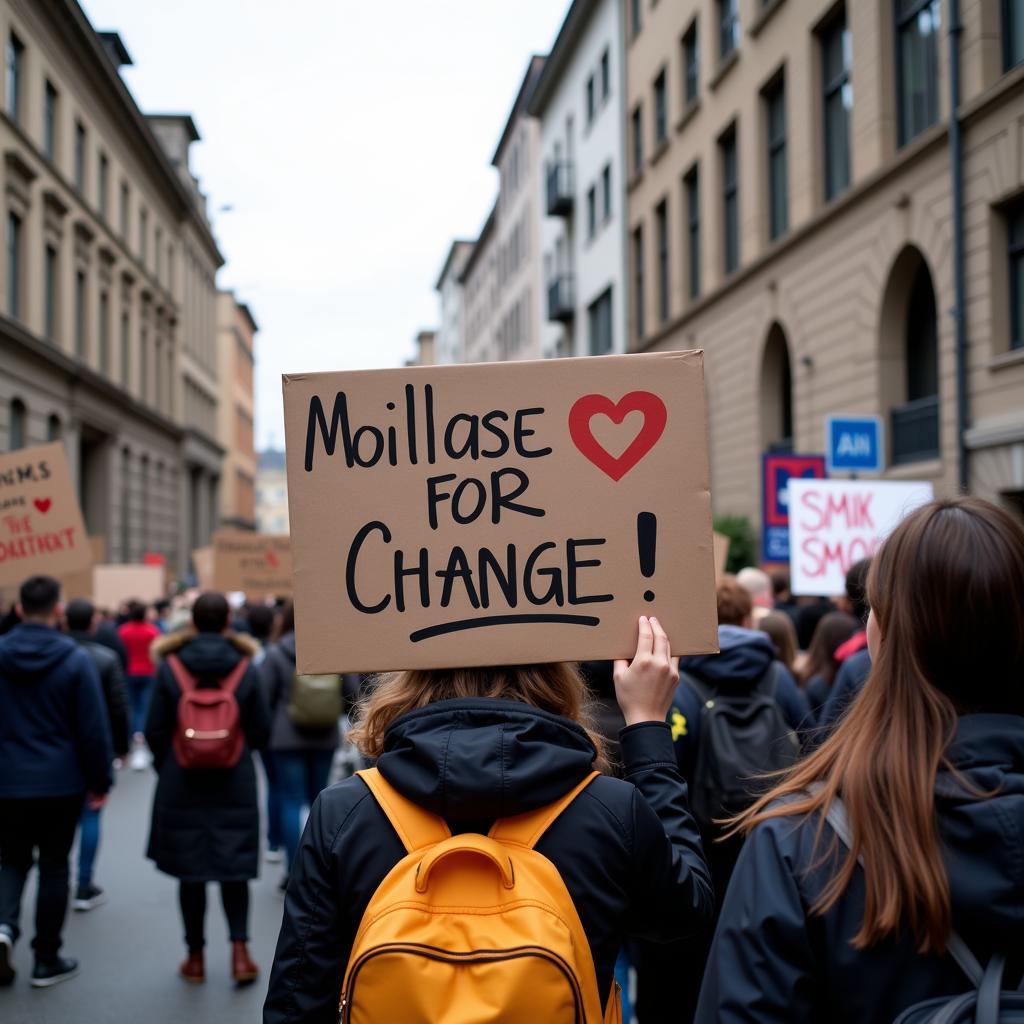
205	825
628	851
772	961
108	665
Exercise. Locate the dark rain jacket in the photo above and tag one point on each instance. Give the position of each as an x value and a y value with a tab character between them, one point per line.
628	851
205	825
54	733
108	665
772	961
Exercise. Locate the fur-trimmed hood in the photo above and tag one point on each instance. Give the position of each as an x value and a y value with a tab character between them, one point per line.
173	643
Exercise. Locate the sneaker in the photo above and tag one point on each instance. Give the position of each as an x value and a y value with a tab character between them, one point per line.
88	896
274	855
53	973
139	760
7	971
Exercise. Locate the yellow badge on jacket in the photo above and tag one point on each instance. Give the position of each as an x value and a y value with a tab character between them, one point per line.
678	723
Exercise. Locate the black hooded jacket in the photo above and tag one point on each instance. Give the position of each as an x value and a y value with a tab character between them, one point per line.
108	665
628	851
773	961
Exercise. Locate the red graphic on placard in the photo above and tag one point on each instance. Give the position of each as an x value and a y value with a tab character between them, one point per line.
271	559
589	406
43	504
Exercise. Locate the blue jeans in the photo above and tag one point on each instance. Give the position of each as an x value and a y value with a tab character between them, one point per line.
88	844
270	769
302	775
140	693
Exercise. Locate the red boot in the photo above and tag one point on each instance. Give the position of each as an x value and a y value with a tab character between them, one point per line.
193	970
243	970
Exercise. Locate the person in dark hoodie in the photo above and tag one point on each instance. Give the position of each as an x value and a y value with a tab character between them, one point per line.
928	766
81	618
55	749
475	745
205	825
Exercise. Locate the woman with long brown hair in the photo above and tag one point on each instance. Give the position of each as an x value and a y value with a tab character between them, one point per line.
822	665
928	766
473	746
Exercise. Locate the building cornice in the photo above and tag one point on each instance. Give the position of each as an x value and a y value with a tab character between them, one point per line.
568	37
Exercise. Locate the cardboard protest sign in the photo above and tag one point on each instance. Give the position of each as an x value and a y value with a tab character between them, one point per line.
79	584
41	528
114	584
834	523
202	563
721	546
256	563
499	513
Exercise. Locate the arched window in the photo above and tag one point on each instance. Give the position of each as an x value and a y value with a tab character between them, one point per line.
16	425
776	393
126	494
53	427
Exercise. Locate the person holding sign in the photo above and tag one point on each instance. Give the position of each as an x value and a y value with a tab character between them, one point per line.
885	868
506	751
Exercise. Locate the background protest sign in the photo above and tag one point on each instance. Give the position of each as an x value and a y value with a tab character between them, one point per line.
41	528
202	563
79	584
721	545
834	523
113	584
499	513
256	563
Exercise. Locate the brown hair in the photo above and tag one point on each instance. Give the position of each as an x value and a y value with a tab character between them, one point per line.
555	687
734	602
946	589
830	634
285	622
779	626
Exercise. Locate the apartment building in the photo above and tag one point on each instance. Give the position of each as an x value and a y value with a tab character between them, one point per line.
793	167
271	492
236	361
450	343
579	104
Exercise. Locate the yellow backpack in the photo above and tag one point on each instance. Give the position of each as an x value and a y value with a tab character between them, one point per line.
471	929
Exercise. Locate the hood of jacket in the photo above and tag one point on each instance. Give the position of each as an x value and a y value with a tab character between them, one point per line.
476	759
744	658
32	650
206	655
983	839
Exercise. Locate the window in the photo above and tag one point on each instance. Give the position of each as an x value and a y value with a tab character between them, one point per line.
660	109
158	251
1015	234
15	59
917	66
635	22
661	225
80	314
104	185
50	121
606	193
16	425
53	427
599	324
104	332
123	213
728	27
606	75
591	106
591	211
730	200
1013	33
778	197
838	102
126	349
638	282
691	185
638	139
80	156
691	64
144	364
922	338
50	292
13	264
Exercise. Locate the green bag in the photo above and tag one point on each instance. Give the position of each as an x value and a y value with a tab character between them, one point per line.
315	701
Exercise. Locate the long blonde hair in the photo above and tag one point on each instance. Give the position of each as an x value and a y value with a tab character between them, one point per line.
555	687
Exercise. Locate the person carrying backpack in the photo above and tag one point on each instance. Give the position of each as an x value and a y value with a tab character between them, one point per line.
885	870
484	801
207	715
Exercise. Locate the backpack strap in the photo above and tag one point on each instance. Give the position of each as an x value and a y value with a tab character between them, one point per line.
526	829
957	948
768	684
230	682
699	687
416	827
185	680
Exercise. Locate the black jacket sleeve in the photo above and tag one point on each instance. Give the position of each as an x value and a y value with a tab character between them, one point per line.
253	709
163	715
672	895
117	705
93	728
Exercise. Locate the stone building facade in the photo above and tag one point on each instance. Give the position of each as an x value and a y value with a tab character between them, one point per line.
236	360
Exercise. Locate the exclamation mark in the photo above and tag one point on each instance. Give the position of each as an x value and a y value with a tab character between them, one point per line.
647	546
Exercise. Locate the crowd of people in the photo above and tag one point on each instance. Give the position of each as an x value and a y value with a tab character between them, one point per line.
824	821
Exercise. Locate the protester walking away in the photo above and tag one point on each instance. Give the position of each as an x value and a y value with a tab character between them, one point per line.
263	622
207	715
304	733
758	584
782	633
822	665
138	636
55	752
885	869
80	618
485	782
782	593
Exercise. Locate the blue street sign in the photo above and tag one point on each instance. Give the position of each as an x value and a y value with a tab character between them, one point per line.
777	471
854	444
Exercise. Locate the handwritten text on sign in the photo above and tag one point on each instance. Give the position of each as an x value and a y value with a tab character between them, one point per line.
493	514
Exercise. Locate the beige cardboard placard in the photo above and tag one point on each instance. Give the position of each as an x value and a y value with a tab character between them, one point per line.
202	562
722	543
499	513
79	584
41	528
259	564
113	584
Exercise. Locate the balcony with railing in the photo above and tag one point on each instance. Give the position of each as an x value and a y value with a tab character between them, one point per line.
562	298
559	189
914	429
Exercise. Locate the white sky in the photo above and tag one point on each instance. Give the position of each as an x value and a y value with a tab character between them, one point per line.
353	141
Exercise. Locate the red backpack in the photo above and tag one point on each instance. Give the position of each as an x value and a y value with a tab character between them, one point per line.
209	732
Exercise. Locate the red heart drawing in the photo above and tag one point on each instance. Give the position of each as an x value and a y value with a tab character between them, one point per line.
585	408
271	559
43	504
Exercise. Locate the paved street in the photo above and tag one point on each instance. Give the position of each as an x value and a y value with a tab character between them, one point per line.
131	946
